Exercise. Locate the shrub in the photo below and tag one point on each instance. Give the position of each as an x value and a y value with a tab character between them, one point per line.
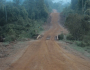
86	39
70	37
81	44
61	37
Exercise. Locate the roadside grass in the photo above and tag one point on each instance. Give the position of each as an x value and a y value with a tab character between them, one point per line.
84	50
77	45
9	48
5	43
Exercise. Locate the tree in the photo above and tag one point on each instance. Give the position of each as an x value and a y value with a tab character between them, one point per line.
30	7
74	4
41	9
2	1
82	5
24	18
77	25
16	2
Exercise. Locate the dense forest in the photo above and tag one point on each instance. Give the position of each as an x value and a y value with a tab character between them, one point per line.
59	6
77	20
21	18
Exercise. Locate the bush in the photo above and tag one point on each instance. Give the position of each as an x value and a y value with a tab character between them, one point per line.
61	37
70	37
86	39
67	11
81	44
10	38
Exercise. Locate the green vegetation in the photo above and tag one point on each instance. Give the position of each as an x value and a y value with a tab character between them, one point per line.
55	5
70	37
20	20
77	21
61	37
85	50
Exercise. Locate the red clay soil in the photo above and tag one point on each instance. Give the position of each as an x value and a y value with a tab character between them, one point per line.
48	55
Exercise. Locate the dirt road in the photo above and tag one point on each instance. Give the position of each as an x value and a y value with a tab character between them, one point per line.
48	55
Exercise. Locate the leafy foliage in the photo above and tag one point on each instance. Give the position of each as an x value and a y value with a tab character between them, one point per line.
78	21
74	4
70	37
21	20
61	37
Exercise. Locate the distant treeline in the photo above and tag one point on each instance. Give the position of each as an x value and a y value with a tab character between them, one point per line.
20	20
55	5
77	20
